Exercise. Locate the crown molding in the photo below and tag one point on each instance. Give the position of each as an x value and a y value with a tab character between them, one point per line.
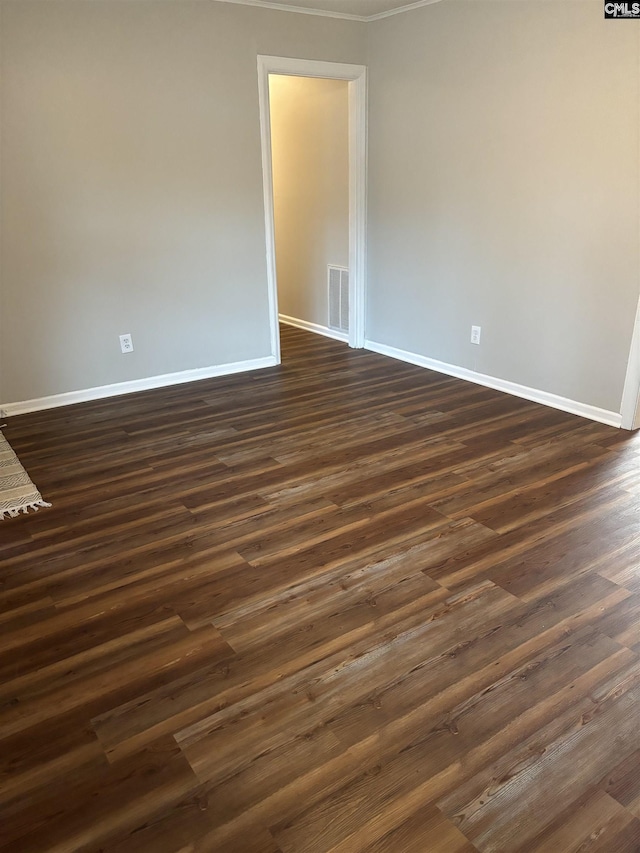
324	13
282	7
408	8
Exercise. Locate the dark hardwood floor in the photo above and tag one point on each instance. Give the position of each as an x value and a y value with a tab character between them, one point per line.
341	605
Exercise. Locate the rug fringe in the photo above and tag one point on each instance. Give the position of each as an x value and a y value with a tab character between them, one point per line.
15	511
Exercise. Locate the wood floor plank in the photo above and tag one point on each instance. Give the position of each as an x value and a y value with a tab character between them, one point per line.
341	605
428	829
623	783
598	823
77	818
599	737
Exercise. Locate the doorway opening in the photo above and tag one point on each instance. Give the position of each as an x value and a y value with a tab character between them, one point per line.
332	300
310	173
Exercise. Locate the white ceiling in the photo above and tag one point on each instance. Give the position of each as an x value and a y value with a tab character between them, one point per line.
363	10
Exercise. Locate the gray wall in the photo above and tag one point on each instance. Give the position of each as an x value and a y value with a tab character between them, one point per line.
132	185
310	152
503	187
503	191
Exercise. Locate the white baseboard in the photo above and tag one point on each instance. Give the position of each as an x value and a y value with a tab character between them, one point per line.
103	391
603	416
314	327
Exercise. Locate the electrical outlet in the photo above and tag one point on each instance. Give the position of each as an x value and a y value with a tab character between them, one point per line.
475	334
126	343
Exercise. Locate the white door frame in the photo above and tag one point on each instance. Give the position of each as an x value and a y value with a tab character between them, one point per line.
630	409
356	76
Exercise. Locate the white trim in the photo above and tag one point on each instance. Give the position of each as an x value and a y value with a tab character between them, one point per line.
314	327
533	394
630	404
630	407
357	207
325	13
267	191
162	381
408	8
356	76
283	7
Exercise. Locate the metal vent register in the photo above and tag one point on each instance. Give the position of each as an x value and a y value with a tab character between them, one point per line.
338	299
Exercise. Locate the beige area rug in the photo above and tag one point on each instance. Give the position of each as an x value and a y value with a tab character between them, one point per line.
17	492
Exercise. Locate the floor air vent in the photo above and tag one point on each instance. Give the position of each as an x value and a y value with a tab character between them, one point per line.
338	299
